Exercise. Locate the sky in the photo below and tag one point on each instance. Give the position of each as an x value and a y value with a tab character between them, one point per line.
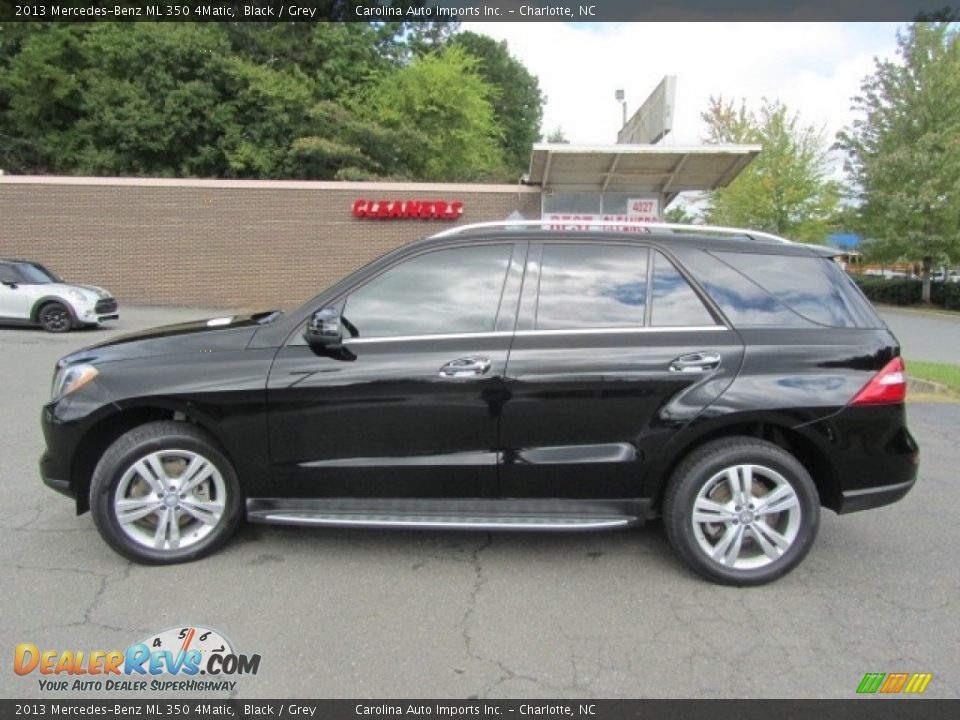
815	68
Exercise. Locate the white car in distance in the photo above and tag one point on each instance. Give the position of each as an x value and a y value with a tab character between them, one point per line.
32	295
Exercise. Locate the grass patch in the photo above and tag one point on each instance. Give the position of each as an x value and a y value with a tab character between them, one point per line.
942	373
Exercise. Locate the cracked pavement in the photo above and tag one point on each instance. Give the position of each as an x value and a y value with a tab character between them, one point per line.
379	614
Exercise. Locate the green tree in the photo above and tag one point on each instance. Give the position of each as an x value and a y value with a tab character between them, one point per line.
346	145
786	190
338	57
517	102
903	151
40	96
679	214
337	35
162	99
557	136
443	96
324	100
149	101
267	110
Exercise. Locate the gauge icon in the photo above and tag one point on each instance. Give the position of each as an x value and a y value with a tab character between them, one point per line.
184	638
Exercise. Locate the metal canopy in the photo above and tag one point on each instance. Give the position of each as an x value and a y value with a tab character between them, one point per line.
643	169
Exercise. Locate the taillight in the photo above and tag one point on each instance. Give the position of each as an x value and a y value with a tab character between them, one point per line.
887	386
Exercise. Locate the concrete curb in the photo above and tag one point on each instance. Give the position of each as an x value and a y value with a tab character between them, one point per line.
933	311
926	386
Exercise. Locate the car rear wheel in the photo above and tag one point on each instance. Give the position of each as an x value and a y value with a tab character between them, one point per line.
164	493
55	317
741	511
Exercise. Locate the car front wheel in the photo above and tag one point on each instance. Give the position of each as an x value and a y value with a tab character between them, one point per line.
55	317
164	493
741	511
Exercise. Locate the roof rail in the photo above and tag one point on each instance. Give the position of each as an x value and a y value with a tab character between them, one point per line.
697	229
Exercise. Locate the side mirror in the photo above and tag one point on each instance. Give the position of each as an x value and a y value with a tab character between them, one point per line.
12	284
324	329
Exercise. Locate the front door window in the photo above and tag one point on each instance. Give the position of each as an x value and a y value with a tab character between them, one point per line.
437	293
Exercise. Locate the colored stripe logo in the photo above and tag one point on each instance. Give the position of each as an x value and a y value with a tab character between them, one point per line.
893	683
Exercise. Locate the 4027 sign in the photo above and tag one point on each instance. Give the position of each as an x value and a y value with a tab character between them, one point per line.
644	210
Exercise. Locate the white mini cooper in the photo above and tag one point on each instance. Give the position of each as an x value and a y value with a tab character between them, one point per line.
32	295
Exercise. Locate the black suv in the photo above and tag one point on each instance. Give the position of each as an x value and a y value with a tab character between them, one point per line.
510	377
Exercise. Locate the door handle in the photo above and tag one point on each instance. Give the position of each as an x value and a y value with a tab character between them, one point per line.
697	362
465	367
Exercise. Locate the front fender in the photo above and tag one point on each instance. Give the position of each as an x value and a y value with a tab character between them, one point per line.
35	310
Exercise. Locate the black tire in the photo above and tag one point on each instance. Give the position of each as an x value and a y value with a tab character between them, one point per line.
55	317
171	442
705	474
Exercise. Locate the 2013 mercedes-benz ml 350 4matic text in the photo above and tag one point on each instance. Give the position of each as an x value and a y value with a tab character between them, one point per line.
506	376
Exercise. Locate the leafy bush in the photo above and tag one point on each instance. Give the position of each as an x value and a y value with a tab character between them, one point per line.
946	294
892	292
897	291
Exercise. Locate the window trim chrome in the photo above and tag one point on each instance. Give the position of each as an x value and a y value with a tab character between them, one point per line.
616	330
535	333
438	336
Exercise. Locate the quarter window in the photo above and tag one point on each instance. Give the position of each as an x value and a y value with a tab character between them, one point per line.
446	291
812	287
744	302
592	286
8	273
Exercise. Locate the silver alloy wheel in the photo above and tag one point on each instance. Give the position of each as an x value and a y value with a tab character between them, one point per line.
170	500
746	517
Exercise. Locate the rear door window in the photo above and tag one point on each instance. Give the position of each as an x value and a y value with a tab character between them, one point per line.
591	285
675	303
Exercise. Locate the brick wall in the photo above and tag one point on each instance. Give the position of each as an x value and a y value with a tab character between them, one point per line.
233	244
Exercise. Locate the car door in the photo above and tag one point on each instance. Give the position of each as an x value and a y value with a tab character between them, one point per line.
409	407
614	352
16	299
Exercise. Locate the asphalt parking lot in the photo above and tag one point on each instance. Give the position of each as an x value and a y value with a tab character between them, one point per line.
376	614
932	336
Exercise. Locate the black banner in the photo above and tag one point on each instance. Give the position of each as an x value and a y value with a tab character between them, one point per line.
861	709
473	11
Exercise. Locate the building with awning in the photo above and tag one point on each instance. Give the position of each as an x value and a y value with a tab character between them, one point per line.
605	180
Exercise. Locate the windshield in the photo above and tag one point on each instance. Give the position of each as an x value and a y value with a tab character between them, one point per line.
36	274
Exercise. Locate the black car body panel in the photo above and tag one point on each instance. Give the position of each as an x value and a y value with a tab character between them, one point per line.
572	416
205	373
385	422
216	334
587	413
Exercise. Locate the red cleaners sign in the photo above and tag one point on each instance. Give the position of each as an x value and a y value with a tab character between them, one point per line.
408	209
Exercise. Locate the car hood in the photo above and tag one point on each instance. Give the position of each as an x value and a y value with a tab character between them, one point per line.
207	336
64	287
98	291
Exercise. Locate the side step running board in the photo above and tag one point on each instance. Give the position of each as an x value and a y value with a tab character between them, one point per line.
452	513
450	522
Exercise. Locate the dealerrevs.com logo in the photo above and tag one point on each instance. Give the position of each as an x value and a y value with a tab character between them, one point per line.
179	659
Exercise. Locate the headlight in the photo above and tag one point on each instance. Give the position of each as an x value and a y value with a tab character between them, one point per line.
71	379
77	295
